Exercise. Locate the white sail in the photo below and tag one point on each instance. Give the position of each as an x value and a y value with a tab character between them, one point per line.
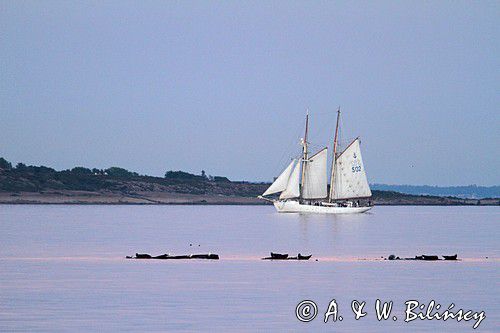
292	189
315	177
350	177
281	182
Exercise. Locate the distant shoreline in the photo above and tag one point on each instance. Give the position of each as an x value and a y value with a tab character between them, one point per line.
163	198
42	185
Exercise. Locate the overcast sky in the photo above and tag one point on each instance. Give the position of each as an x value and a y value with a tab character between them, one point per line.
224	86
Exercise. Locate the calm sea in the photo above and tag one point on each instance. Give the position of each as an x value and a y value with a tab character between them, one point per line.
62	268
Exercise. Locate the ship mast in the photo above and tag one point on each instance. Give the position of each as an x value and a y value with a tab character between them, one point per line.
304	153
332	178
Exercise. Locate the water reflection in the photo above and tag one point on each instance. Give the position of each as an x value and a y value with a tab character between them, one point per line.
78	280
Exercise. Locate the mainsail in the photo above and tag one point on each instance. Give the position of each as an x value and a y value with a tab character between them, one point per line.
303	184
315	178
349	175
281	182
292	188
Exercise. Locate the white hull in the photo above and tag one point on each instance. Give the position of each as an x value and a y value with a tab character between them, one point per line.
296	207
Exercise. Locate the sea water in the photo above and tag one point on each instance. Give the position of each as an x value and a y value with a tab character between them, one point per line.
63	268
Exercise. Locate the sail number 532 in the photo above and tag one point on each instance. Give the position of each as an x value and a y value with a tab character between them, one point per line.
356	168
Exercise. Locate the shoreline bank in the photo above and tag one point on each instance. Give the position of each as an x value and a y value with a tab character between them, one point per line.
165	198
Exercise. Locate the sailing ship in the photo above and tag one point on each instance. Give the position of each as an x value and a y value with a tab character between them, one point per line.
303	184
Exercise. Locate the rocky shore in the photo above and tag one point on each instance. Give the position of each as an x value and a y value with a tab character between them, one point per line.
380	198
24	184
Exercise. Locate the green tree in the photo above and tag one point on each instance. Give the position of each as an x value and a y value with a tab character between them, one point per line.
21	167
96	171
81	171
120	172
182	175
4	164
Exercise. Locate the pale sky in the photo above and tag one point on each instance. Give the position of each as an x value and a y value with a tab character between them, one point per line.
224	86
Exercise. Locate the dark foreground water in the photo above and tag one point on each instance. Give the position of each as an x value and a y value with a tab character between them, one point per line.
62	268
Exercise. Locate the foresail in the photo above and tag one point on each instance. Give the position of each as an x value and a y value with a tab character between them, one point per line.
281	182
292	189
350	177
315	177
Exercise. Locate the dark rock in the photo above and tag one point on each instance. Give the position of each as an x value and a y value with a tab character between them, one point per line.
453	257
429	257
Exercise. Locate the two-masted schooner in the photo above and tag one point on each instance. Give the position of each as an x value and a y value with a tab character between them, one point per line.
303	184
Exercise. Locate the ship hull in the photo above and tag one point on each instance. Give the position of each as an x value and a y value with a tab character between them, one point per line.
296	207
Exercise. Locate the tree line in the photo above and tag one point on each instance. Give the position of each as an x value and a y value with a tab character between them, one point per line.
115	172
